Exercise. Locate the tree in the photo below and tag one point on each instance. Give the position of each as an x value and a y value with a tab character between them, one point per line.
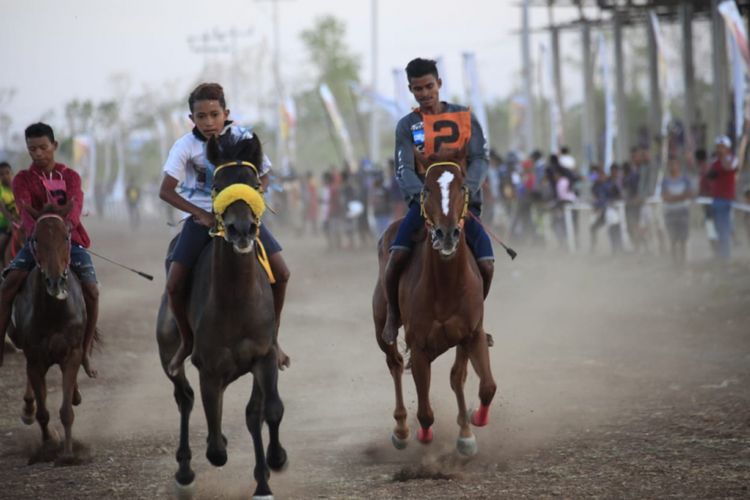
336	67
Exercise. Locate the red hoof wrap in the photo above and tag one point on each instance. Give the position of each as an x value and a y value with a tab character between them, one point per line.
481	416
424	436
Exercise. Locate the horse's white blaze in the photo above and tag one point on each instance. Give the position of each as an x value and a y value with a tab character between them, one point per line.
445	180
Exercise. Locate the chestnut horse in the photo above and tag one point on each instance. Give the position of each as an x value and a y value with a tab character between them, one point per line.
230	309
50	319
440	296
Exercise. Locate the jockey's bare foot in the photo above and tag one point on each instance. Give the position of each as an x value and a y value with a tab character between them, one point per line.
76	396
283	359
178	360
86	363
390	330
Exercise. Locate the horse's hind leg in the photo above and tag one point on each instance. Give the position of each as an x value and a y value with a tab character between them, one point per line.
183	395
479	355
29	407
212	394
69	373
421	372
466	444
395	363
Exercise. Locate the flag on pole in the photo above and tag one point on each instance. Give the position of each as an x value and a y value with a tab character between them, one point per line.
610	122
403	100
471	77
664	81
739	52
547	90
338	124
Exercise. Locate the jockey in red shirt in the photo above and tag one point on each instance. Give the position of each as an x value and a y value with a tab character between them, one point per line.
44	186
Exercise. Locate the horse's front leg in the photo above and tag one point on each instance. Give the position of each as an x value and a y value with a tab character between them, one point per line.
395	363
183	395
36	374
467	443
479	355
212	394
421	370
69	373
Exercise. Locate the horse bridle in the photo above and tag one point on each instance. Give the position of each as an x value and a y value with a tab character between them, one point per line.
218	229
423	197
32	240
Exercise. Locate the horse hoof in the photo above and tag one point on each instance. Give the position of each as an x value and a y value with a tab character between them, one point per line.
467	446
424	436
184	491
67	460
480	417
277	460
27	418
217	457
399	443
262	497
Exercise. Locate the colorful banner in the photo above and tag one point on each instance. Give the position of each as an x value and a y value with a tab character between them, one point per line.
610	121
547	91
739	55
471	79
288	132
338	124
664	82
84	161
445	90
403	97
385	103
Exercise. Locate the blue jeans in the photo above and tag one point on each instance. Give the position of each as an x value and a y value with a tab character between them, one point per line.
80	262
476	237
194	237
722	212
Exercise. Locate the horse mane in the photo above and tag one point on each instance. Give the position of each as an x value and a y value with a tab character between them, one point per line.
228	147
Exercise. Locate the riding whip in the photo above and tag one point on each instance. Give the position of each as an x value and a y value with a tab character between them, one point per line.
139	273
511	253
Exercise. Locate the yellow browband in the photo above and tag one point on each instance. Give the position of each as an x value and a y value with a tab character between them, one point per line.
427	219
237	163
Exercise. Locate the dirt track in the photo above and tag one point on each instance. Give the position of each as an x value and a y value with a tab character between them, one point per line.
619	379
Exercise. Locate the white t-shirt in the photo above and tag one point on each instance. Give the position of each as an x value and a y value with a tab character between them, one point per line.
188	164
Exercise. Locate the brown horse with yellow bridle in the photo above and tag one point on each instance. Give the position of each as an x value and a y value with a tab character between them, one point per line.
442	306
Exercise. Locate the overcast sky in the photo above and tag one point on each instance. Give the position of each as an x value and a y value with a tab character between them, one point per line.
52	51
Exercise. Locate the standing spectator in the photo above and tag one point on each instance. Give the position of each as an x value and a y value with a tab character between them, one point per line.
567	160
310	203
381	205
633	202
705	188
676	192
722	172
133	198
565	196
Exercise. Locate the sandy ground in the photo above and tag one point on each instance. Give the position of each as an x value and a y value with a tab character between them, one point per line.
616	378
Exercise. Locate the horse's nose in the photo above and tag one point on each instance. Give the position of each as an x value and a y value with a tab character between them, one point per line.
56	287
242	229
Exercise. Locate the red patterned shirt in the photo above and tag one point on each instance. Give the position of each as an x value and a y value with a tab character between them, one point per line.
30	192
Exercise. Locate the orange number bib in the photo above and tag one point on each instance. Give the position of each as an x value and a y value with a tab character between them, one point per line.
446	130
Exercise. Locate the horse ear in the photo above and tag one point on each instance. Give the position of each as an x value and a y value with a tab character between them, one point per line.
213	150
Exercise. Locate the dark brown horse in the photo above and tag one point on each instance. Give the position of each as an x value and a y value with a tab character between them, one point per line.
232	316
50	318
441	301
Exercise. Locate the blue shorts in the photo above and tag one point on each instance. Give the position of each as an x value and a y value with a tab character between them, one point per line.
476	237
80	263
194	238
